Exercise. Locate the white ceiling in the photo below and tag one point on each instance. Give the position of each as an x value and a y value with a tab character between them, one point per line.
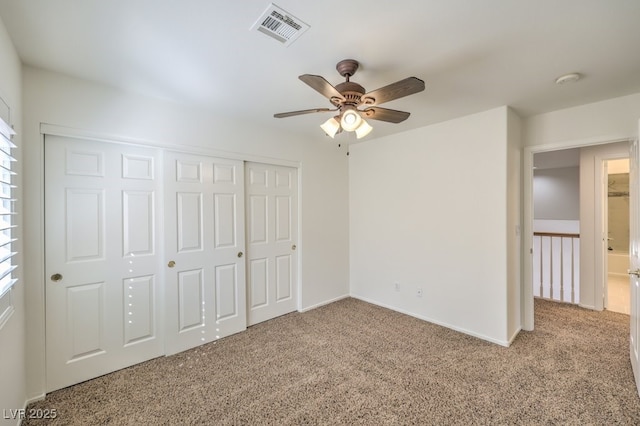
473	55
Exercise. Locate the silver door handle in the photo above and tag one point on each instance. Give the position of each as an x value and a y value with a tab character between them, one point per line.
635	273
293	247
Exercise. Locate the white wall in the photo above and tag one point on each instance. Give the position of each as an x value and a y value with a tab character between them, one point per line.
63	101
428	209
12	334
597	122
556	193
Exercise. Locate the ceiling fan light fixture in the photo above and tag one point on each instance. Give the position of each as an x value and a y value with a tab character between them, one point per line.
350	120
363	129
331	127
348	96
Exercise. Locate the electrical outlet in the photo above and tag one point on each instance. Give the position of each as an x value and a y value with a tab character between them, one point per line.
419	293
396	286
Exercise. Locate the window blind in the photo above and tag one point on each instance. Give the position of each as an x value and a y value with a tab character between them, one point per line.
7	208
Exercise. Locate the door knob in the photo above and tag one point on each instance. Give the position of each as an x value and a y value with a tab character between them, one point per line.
635	273
293	247
240	254
56	277
171	264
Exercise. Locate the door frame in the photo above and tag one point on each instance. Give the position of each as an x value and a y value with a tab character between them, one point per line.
35	292
602	226
527	319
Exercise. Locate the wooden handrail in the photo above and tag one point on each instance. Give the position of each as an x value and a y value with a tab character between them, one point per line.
555	234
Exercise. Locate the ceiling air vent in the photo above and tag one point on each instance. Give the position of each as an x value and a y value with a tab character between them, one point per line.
280	24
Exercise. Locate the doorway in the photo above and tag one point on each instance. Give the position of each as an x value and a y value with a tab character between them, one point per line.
616	209
592	244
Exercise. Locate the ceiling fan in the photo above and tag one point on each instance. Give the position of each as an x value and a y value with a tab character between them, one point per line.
348	96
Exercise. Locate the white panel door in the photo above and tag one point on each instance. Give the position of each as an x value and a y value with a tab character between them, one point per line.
272	236
204	248
634	258
102	260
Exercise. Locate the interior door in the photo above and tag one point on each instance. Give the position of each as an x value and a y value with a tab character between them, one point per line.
204	247
102	260
634	258
272	227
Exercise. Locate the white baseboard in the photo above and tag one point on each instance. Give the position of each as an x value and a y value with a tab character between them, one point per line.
515	334
593	308
25	405
433	321
35	398
326	302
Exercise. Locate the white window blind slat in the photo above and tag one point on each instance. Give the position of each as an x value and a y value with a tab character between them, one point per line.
7	208
6	130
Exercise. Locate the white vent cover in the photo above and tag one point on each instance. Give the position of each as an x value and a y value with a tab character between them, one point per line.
280	25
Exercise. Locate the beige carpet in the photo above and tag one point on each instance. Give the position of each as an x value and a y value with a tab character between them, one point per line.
354	363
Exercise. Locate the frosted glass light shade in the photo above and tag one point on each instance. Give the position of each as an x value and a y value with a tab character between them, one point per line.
363	129
350	120
331	127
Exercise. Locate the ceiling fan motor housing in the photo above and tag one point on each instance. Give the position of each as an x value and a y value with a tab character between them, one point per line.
352	93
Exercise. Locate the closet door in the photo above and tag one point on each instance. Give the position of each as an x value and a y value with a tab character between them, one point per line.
102	258
204	249
272	238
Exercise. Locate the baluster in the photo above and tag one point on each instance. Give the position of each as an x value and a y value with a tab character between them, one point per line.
562	269
541	269
573	290
551	268
573	239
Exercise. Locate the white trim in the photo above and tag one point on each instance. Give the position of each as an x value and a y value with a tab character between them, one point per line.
300	240
514	335
504	343
577	143
326	302
37	398
527	313
55	130
591	307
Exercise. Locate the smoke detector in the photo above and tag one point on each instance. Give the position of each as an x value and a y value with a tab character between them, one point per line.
568	78
280	25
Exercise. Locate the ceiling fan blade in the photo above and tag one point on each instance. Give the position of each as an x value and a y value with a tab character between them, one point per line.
396	90
301	112
385	114
322	86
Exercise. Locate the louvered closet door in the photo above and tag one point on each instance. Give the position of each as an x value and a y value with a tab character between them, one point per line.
272	238
205	263
102	260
